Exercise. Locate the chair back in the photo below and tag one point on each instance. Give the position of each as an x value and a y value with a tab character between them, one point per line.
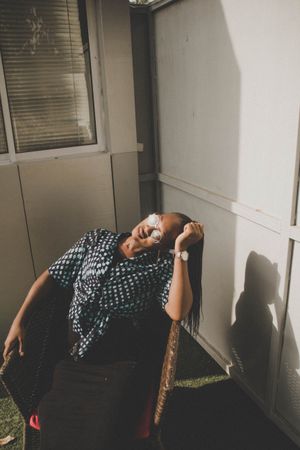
168	372
28	378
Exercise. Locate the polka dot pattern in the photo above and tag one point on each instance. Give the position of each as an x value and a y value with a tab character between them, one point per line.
103	292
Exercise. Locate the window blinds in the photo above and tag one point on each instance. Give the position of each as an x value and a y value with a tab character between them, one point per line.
45	55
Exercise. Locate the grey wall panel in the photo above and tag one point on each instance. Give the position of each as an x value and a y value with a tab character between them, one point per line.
118	75
143	90
64	198
117	65
16	267
141	53
148	197
126	189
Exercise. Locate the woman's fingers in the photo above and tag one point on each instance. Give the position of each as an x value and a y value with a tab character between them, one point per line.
200	227
194	230
15	338
7	348
197	226
4	354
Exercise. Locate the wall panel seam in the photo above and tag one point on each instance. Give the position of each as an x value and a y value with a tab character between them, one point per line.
260	218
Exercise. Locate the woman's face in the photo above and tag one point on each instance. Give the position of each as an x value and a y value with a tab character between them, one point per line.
157	230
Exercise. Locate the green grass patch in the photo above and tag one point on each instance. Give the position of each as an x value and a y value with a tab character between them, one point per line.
196	383
11	422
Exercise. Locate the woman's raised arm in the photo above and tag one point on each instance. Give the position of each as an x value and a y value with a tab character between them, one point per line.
42	287
180	294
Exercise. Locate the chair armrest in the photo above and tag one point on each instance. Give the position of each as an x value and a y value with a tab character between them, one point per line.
28	377
168	372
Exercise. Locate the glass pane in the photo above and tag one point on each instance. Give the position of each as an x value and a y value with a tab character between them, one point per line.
3	143
45	52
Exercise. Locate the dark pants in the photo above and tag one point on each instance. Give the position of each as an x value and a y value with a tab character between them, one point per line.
91	407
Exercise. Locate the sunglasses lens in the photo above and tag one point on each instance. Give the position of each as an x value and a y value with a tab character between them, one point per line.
155	235
153	220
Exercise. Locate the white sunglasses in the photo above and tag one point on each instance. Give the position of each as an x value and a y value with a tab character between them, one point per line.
153	221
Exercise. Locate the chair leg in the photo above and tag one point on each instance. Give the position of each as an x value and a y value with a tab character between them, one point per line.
151	443
31	438
155	441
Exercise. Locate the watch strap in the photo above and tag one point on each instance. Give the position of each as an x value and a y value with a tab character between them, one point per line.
178	254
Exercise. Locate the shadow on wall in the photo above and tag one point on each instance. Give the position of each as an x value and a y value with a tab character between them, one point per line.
251	333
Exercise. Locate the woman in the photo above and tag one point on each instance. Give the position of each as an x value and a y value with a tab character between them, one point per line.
117	278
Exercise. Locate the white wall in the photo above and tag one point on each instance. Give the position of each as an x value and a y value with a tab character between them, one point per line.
228	85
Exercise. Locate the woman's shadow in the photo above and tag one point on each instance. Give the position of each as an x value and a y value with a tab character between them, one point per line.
251	333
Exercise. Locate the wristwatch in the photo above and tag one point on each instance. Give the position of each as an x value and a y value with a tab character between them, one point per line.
184	255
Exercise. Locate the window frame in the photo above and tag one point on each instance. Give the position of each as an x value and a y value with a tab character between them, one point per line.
4	127
98	103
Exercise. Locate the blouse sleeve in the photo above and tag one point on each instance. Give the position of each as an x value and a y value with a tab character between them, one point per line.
65	269
164	282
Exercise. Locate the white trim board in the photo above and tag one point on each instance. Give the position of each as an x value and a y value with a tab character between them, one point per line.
146	177
213	352
158	4
270	222
294	233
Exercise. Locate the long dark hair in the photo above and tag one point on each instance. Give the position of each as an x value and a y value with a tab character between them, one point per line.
192	320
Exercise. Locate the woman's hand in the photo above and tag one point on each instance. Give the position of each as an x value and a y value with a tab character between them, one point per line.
43	286
192	233
16	333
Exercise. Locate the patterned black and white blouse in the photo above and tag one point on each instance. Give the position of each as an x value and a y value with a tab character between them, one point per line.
103	292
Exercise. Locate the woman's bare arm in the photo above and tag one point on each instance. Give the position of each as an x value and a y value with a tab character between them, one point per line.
42	287
180	298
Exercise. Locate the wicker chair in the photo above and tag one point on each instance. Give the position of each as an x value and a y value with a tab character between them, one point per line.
28	378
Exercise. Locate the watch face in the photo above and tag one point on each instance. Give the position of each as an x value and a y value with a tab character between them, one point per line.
185	255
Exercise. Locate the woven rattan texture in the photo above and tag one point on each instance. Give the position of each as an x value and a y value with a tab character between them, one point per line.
168	372
29	377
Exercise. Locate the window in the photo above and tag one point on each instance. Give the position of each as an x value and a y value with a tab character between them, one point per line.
46	62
